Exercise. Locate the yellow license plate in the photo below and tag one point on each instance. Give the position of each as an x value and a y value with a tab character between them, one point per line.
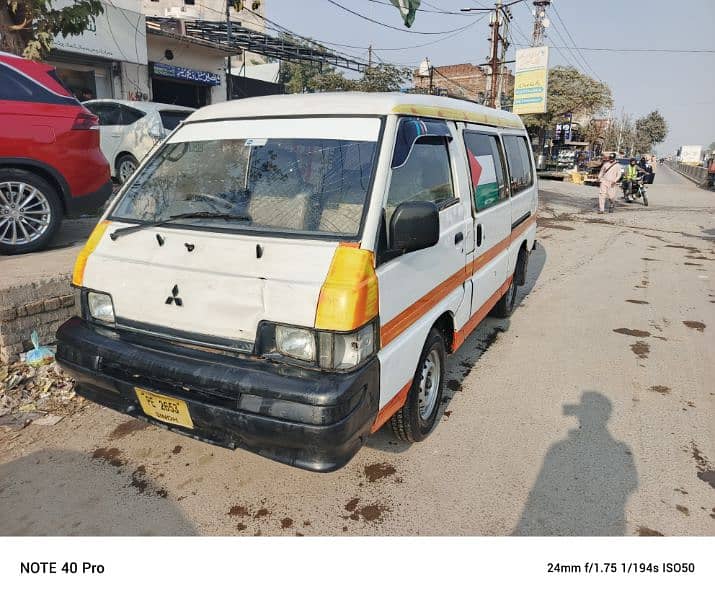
164	408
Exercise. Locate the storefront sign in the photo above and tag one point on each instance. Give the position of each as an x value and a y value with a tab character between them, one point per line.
186	74
531	80
117	34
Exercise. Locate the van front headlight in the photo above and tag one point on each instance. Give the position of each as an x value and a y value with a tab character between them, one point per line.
325	349
295	342
100	307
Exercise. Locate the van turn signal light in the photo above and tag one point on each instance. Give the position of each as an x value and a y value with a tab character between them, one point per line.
349	296
92	242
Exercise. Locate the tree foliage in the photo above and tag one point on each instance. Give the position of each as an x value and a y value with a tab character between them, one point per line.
649	130
307	76
570	91
28	27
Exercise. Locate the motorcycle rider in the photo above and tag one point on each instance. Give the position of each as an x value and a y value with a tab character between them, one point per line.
630	176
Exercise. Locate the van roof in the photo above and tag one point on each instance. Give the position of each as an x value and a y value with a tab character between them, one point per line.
357	103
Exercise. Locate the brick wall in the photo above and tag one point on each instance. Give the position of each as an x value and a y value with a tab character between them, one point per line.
464	80
42	306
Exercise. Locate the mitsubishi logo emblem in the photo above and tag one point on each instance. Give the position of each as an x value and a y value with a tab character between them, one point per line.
174	298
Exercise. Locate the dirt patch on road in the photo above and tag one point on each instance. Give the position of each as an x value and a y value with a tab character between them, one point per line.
632	332
454	385
695	325
378	471
641	349
661	389
637	301
110	455
682	509
126	428
648	532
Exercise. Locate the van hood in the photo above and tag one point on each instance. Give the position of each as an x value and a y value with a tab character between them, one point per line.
207	283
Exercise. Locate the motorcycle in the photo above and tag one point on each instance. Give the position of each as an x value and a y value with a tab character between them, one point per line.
636	189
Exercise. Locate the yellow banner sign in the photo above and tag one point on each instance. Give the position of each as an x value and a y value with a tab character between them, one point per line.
531	80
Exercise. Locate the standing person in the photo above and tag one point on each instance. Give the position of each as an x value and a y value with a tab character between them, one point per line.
608	177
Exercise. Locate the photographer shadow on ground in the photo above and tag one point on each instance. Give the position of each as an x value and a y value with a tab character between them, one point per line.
585	480
60	492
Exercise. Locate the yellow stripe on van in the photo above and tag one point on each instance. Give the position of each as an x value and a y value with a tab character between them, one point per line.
81	262
349	296
458	115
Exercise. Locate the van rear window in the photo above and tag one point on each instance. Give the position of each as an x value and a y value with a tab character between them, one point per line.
315	187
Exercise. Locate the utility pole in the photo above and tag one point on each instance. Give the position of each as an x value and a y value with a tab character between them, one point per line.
541	22
498	44
369	56
228	43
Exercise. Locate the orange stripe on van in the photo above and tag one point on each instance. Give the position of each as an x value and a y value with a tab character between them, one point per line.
410	315
391	407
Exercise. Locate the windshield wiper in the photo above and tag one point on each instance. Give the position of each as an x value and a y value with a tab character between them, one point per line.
189	215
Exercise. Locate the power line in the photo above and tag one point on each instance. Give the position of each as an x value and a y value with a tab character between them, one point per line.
666	50
568	33
371	20
438	10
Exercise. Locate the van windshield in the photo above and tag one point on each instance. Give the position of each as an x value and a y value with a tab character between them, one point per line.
313	186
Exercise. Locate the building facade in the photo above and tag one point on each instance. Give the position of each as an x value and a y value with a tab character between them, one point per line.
464	80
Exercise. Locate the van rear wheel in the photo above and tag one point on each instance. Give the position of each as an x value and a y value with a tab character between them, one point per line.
505	307
416	419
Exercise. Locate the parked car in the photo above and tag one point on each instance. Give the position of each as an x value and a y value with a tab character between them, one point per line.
301	270
51	165
129	130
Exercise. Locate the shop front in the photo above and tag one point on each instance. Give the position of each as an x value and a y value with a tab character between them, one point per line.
174	84
107	59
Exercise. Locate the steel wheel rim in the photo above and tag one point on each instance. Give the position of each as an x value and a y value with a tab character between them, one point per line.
429	384
25	213
126	170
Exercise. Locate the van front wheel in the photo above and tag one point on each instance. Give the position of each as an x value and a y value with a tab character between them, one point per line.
416	419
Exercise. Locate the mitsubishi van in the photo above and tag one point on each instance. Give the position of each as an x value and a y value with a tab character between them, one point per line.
288	274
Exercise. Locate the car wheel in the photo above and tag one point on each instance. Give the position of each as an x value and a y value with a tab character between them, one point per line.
505	307
30	211
126	165
416	419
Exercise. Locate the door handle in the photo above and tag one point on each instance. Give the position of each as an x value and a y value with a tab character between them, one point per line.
459	237
116	135
479	234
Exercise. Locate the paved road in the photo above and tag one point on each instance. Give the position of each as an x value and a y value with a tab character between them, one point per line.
590	412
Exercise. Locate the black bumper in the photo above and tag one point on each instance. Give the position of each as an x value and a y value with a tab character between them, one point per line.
309	419
90	204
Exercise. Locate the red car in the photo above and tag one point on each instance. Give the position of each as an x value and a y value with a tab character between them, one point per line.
50	162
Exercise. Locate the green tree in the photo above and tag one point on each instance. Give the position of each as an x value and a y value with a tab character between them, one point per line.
28	27
711	147
570	91
649	130
383	78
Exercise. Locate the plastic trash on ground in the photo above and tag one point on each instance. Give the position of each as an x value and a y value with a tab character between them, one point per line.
40	355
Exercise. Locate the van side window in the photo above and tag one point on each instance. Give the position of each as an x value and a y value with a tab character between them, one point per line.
517	155
426	175
486	167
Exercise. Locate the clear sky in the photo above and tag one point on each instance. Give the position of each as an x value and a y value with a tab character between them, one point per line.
681	86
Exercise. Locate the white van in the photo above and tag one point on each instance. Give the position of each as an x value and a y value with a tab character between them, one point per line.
286	274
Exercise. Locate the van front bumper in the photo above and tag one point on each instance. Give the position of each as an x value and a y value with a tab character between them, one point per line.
309	419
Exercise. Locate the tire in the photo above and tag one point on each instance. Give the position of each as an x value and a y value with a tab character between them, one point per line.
30	211
417	418
505	307
126	165
645	197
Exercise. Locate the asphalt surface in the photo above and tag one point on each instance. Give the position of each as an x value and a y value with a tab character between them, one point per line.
589	412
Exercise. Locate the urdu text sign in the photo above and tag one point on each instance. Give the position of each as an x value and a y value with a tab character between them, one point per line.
531	80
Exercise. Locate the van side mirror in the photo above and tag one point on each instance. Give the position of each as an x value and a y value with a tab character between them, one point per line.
414	226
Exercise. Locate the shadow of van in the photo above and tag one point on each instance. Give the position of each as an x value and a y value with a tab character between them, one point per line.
58	492
461	363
